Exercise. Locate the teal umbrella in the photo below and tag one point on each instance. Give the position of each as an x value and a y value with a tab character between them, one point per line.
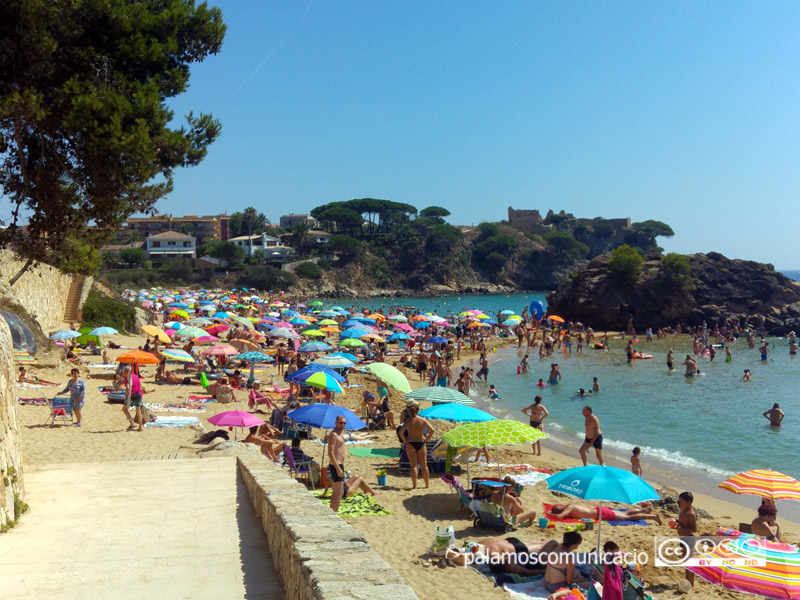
254	357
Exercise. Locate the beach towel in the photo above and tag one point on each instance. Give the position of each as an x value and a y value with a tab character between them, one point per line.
33	401
201	399
375	452
358	505
519	586
520	467
346	442
172	422
552	517
31	386
530	478
101	365
185	407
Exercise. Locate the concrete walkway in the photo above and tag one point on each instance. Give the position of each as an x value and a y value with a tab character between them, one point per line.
147	529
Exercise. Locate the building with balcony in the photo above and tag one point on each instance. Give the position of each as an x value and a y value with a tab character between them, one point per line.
251	243
202	228
289	221
170	244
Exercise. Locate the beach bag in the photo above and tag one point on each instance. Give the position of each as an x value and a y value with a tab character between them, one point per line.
445	538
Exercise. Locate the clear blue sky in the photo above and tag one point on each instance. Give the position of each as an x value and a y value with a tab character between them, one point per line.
685	112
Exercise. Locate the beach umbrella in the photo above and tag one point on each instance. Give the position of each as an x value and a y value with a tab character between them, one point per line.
397	318
103	331
315	303
437	339
180	313
191	332
555	318
21	356
374	337
390	376
253	357
765	483
324	381
170	325
287	334
235	418
179	355
439	395
313	333
498	432
353	332
422	324
511	323
603	483
202	322
404	327
352	342
153	331
324	416
334	362
398	336
456	413
301	375
218	328
348	356
221	315
330	329
420	318
244	345
506	312
752	565
220	350
138	357
314	347
205	339
352	323
328	322
65	334
246	322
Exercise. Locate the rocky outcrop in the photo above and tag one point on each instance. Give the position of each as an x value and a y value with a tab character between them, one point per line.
717	288
12	490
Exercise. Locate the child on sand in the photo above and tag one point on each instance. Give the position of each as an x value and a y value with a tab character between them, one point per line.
636	466
494	393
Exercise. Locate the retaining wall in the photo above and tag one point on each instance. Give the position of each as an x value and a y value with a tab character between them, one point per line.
317	554
42	290
10	458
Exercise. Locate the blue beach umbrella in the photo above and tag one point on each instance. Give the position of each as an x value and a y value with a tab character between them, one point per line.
436	340
353	332
254	357
456	413
314	347
511	322
65	334
347	355
507	312
422	324
366	321
397	337
301	375
324	416
606	484
103	331
178	305
351	323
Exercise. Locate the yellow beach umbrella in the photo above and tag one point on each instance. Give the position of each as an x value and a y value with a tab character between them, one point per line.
155	332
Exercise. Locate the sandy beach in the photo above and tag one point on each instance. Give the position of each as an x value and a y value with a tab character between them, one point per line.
402	538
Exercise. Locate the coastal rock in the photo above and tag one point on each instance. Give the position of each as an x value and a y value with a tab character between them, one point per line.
716	289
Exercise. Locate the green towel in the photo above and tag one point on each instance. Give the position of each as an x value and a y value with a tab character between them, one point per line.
375	452
204	381
357	505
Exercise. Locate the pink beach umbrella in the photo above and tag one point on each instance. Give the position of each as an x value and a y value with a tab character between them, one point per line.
205	339
404	327
235	418
220	350
219	328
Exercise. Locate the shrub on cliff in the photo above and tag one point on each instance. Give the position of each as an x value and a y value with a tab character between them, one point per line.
264	277
100	310
675	272
625	264
561	240
308	270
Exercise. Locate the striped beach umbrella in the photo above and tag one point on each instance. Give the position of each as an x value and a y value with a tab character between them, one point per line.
752	565
439	395
334	362
314	347
21	356
765	483
179	355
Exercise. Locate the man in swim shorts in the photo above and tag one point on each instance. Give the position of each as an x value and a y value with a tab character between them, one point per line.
537	413
442	373
484	371
594	437
764	351
336	462
691	366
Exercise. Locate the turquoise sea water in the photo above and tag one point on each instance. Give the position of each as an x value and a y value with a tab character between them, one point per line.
442	305
707	428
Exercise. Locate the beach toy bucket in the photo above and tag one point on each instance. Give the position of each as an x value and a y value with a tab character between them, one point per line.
543	522
323	478
381	479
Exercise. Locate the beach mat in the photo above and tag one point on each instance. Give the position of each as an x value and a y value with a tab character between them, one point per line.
173	422
552	517
358	505
375	452
530	587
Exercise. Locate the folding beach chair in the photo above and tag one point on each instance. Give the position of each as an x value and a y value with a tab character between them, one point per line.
60	411
298	468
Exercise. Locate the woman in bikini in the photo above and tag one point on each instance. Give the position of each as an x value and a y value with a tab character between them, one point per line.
603	513
508	555
415	434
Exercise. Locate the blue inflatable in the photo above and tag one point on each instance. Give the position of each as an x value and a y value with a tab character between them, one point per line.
537	309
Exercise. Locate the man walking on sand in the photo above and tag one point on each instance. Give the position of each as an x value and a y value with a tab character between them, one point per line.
336	462
594	437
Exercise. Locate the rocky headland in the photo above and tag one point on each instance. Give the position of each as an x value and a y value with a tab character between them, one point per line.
713	289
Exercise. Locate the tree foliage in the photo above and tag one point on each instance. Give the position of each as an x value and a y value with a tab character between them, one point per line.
654	228
264	277
225	251
675	271
625	264
443	239
132	257
308	270
436	213
85	139
349	247
247	222
378	214
564	241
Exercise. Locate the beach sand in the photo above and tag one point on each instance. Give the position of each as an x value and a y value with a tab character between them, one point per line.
402	538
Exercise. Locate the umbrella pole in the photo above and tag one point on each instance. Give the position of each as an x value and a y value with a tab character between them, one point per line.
497	458
599	528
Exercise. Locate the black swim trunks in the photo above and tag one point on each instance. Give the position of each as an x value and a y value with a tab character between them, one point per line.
416	445
187	380
598	442
535	424
522	557
334	476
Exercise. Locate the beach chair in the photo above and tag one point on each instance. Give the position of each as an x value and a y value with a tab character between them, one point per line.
298	468
60	412
632	587
434	465
464	498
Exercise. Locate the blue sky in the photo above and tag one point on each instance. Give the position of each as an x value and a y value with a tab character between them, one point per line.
685	112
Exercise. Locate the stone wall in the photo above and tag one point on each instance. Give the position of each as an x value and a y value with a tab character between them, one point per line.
42	290
316	553
11	483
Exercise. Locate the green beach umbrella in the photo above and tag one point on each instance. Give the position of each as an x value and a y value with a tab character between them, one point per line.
352	342
191	332
246	322
315	303
500	432
390	376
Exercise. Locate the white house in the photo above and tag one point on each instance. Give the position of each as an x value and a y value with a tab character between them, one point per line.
319	236
171	243
251	243
289	221
279	253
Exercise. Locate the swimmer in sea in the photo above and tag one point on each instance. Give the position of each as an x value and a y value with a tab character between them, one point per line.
728	355
670	365
774	415
595	385
747	374
541	383
555	374
691	366
764	351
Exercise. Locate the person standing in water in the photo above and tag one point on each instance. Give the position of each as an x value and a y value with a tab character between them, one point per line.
537	414
774	415
670	364
594	437
555	374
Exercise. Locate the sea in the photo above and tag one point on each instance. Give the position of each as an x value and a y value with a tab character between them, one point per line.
692	431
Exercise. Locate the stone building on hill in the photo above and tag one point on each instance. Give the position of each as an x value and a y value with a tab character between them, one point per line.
531	221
